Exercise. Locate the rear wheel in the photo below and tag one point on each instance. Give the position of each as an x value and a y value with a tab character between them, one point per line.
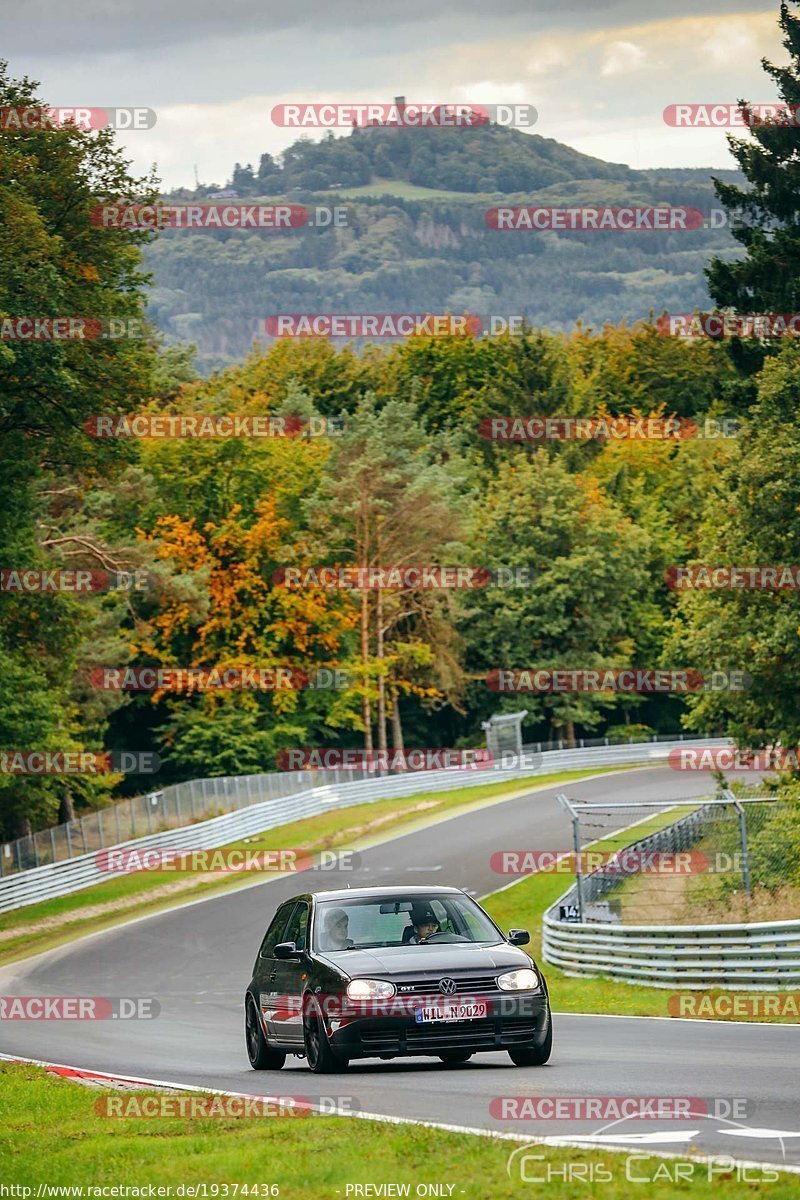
451	1057
533	1056
262	1058
320	1056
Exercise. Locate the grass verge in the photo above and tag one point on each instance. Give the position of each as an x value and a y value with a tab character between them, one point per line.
37	927
523	906
53	1137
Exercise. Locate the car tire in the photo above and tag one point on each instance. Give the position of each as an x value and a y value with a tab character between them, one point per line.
533	1056
452	1057
262	1057
320	1056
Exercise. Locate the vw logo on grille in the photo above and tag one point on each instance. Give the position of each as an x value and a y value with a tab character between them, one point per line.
447	986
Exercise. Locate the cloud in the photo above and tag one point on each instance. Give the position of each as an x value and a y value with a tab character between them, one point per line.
590	86
623	58
87	27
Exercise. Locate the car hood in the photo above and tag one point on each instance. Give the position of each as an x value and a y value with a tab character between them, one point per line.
419	960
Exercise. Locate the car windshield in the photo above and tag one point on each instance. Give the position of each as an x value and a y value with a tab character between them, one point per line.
400	920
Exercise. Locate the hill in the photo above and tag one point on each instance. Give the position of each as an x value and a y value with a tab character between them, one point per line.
416	239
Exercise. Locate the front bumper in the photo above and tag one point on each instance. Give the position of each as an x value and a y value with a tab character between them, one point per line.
512	1020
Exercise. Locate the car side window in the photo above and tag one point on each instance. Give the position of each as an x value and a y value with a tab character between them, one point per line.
297	928
276	928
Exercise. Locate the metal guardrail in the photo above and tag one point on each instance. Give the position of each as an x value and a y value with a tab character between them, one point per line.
61	878
194	800
738	957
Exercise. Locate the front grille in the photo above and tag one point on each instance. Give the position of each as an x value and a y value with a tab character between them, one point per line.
458	1035
473	985
471	1033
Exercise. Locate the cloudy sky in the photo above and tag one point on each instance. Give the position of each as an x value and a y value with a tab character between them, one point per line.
600	72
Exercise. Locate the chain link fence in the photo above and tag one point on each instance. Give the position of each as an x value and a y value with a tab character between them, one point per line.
198	799
728	859
174	807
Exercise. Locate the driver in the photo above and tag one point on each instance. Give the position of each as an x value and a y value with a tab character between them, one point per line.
335	926
424	921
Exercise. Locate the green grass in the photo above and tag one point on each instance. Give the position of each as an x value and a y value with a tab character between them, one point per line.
523	906
53	1135
52	922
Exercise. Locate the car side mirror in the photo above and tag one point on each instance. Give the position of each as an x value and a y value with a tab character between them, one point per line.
519	937
286	950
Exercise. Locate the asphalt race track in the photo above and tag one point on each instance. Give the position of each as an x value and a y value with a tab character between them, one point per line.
196	961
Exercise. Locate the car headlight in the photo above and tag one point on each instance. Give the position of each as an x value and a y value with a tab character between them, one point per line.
370	989
524	980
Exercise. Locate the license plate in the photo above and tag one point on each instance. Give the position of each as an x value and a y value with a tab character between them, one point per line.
451	1012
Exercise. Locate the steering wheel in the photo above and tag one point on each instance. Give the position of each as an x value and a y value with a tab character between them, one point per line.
450	937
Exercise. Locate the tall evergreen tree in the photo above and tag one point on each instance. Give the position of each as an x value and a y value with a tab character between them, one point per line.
765	218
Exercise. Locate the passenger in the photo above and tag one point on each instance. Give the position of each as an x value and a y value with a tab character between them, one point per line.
335	926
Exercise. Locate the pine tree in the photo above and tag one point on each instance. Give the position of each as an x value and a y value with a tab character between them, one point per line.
765	219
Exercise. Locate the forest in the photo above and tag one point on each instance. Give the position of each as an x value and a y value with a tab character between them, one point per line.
376	457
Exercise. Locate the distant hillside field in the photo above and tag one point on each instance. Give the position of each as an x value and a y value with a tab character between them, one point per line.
416	239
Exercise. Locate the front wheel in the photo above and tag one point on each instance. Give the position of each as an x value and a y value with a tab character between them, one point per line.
262	1058
452	1057
533	1056
321	1058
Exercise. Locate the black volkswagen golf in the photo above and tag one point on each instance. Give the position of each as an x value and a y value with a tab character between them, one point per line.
388	972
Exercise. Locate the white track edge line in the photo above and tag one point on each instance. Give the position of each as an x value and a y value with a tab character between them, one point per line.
496	1135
